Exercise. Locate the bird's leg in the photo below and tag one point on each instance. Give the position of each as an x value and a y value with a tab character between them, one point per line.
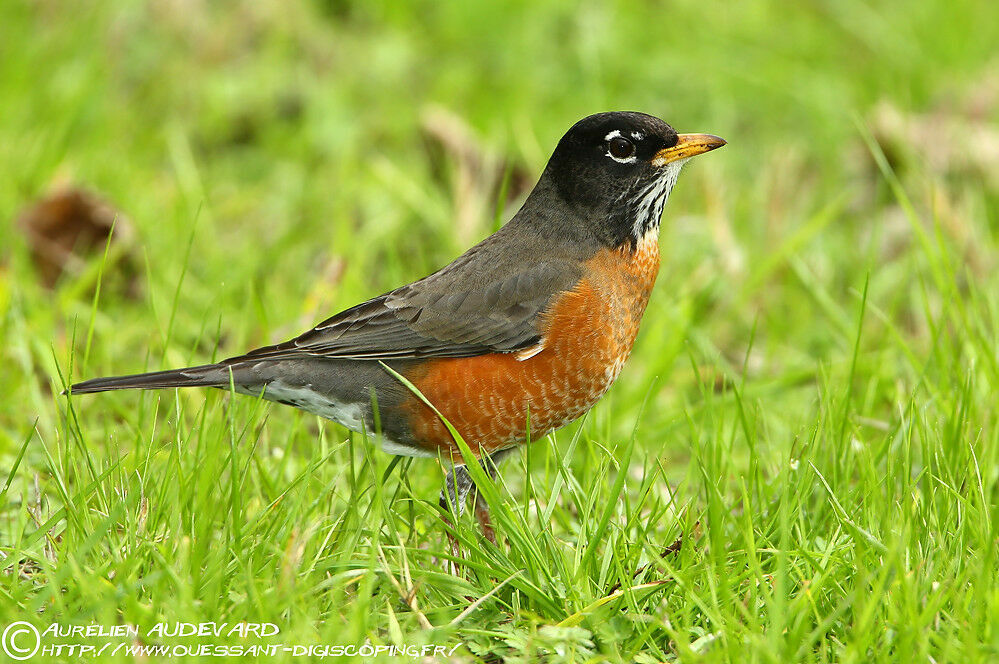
457	485
479	504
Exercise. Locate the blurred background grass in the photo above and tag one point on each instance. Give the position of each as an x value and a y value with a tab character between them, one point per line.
274	162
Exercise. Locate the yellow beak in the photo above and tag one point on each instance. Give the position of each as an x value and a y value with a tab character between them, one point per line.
688	145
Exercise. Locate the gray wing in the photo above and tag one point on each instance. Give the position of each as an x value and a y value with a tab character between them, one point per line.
487	301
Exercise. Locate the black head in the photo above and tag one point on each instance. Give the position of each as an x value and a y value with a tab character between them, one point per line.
616	171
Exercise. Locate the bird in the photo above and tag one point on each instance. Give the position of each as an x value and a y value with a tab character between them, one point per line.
524	332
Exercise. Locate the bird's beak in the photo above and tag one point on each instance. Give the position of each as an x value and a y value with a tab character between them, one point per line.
688	145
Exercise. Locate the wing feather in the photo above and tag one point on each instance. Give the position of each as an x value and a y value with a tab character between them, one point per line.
472	307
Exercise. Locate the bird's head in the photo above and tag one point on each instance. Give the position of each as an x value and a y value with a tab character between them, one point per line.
616	170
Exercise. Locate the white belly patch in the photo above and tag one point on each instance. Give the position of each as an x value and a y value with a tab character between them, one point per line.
350	415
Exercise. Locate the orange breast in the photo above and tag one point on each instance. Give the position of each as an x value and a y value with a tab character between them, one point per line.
588	333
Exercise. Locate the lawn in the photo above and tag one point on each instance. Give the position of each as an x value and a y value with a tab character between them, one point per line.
800	462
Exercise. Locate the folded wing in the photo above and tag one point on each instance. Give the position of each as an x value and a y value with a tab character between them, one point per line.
457	312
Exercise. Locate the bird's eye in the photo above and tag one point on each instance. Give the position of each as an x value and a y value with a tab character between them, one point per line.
621	148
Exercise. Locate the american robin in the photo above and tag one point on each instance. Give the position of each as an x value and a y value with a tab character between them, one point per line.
527	328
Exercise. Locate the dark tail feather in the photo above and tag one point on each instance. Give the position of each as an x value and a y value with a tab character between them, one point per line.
205	375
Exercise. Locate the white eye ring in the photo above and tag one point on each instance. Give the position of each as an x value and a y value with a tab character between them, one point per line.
615	135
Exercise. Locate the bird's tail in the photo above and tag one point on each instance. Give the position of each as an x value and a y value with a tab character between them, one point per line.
206	375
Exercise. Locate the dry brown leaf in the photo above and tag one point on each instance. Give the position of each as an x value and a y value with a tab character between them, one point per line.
66	227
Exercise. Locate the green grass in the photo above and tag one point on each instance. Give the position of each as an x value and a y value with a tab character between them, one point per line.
810	408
